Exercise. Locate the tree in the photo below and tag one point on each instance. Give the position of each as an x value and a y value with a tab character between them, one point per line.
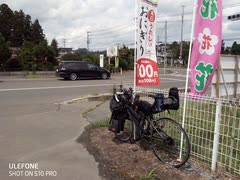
225	50
5	53
185	52
127	55
27	57
37	56
17	28
82	51
235	48
37	32
27	28
71	56
6	21
175	47
17	31
54	45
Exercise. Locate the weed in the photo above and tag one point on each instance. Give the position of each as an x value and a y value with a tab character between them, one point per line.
85	113
101	123
149	176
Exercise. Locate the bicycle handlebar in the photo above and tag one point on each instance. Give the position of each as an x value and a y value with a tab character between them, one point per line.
116	95
160	104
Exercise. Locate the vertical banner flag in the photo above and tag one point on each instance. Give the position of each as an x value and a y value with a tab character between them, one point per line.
146	65
206	45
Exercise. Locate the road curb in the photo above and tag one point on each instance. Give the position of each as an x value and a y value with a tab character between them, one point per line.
99	97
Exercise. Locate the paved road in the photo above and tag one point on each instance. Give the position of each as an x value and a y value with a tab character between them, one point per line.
33	128
29	96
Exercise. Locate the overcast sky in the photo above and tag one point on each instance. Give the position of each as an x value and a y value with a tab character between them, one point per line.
111	22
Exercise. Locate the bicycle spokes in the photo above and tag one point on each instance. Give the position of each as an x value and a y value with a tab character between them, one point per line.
166	142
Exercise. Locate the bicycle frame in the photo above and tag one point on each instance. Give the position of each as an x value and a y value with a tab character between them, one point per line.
145	125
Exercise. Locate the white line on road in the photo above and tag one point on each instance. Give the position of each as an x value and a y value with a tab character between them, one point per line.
177	75
171	79
56	87
79	86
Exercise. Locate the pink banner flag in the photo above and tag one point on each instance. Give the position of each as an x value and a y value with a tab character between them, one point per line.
146	66
206	45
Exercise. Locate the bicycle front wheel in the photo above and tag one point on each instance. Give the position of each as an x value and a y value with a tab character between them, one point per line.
127	132
170	142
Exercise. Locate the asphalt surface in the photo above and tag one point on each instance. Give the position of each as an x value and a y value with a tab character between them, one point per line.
49	139
38	127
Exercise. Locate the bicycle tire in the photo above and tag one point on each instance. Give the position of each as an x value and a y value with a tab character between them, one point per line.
166	135
127	133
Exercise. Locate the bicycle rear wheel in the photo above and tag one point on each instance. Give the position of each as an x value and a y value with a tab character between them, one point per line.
127	133
170	142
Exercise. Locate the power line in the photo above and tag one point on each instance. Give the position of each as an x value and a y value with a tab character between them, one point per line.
190	12
115	28
126	30
113	36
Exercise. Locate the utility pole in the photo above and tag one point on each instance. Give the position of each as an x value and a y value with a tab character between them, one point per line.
180	57
88	40
165	46
64	42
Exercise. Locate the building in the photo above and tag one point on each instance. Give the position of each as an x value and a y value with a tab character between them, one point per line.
62	51
160	51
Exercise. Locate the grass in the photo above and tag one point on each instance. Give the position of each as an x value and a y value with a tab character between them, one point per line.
35	76
200	125
85	113
32	76
149	175
100	123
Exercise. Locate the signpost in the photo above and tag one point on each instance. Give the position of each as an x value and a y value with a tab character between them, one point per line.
101	57
113	52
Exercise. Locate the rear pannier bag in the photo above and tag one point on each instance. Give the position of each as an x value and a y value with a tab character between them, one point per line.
115	106
117	120
116	124
174	98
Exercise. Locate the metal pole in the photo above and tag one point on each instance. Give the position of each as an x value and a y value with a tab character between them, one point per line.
88	41
216	135
187	77
64	41
135	48
180	57
165	46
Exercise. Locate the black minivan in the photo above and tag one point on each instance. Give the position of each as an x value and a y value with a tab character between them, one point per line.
80	69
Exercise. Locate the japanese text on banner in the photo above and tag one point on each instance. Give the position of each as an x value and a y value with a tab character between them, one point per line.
146	68
206	45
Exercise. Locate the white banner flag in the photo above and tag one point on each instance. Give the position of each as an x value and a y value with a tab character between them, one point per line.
146	67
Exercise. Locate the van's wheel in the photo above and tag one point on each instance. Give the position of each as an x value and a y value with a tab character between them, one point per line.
104	76
73	76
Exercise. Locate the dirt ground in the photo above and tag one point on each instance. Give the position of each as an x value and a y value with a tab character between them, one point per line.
119	160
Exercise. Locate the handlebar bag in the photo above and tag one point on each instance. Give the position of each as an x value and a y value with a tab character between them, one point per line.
158	103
